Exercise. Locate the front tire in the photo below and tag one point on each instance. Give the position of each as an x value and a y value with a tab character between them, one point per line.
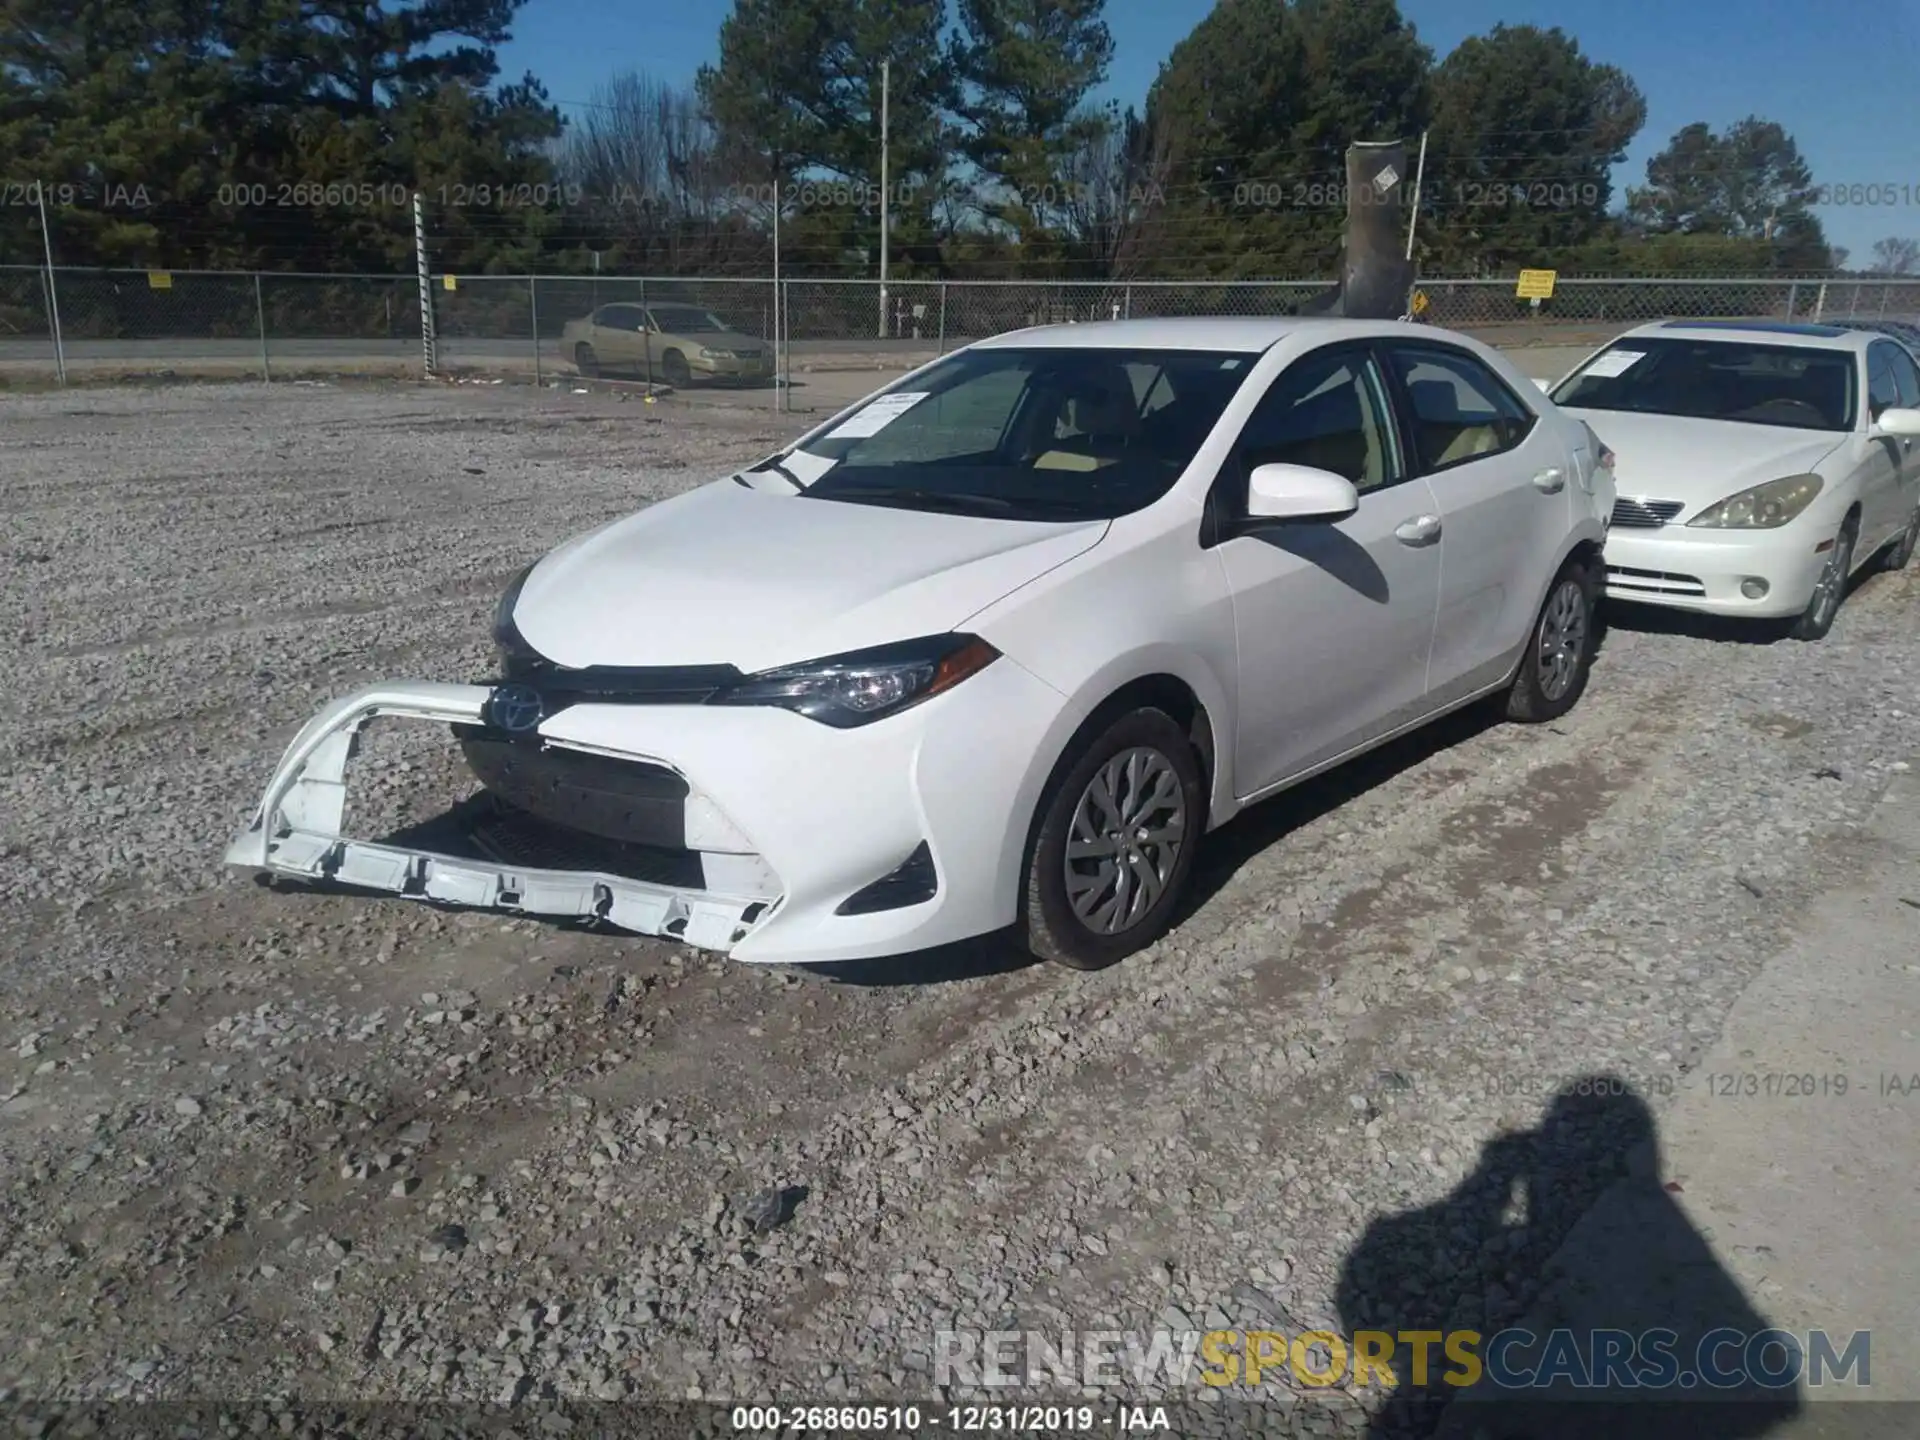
1113	844
679	374
1901	554
1553	673
1823	608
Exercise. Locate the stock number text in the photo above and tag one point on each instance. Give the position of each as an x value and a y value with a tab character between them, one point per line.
310	195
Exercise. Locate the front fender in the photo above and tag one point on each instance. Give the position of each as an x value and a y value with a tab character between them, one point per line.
1145	663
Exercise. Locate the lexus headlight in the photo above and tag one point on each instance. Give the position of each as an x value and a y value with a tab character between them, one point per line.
1764	507
867	685
709	354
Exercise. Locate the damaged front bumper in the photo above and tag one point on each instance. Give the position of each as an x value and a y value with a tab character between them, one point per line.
296	831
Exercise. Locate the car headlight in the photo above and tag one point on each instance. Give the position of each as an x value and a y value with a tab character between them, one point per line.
1764	507
866	685
707	354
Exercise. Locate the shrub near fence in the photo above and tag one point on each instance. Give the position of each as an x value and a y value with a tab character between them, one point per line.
23	310
121	305
319	307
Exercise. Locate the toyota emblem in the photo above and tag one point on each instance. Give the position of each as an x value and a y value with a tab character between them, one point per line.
516	709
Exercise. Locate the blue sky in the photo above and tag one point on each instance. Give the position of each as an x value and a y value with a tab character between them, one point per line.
1842	75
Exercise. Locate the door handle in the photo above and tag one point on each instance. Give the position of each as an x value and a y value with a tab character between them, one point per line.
1550	482
1420	530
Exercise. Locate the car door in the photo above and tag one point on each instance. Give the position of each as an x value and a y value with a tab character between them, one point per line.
1333	620
1889	459
603	333
1906	379
1504	486
657	337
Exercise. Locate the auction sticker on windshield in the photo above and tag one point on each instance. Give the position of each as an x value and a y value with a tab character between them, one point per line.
877	416
1614	362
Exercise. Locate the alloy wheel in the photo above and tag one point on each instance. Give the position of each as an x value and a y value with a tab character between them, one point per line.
1832	585
1127	831
1562	639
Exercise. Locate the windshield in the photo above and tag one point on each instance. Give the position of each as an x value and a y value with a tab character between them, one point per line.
1797	387
1029	434
685	320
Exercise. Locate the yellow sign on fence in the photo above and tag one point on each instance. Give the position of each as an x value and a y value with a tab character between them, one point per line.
1420	302
449	282
159	280
1535	285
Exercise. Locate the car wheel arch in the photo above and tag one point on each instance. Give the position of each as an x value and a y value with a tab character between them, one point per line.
1852	520
1189	704
1160	690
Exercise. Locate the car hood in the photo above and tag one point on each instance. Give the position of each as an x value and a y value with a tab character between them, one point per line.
1701	462
726	575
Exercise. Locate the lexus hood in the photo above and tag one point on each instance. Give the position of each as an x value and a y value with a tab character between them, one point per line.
726	575
1701	462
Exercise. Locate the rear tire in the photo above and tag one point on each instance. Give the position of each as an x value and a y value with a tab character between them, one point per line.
585	361
1824	606
1132	805
1553	673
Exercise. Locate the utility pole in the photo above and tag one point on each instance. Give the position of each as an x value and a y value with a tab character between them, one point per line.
886	67
779	374
53	293
428	345
1419	179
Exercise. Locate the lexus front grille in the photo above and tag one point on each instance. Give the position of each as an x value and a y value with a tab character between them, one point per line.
1645	514
1626	582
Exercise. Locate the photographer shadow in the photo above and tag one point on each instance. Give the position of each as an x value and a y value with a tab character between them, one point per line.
1565	1227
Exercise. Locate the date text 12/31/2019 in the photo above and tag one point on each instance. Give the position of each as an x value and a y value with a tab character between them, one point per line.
1809	1085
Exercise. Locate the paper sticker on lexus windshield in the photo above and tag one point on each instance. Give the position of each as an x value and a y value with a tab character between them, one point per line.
877	416
1614	362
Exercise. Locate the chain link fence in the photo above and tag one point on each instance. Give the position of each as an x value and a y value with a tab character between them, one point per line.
103	324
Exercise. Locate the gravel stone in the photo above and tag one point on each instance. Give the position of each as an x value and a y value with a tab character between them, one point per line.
1389	974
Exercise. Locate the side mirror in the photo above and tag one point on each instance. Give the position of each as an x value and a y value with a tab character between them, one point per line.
1546	385
1299	492
1897	421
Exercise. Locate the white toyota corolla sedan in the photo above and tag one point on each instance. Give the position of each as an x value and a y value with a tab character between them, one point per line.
997	645
1760	465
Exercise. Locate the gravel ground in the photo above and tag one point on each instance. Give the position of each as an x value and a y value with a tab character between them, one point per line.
258	1143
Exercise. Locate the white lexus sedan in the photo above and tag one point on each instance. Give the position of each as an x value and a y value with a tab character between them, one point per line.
1760	465
997	645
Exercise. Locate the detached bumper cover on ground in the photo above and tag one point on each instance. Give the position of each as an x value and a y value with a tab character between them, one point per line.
296	832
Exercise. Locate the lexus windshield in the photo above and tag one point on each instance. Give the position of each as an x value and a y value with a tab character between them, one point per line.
1795	387
1031	434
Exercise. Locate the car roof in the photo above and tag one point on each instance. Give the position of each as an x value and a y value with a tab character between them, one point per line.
1881	327
1758	332
1239	334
